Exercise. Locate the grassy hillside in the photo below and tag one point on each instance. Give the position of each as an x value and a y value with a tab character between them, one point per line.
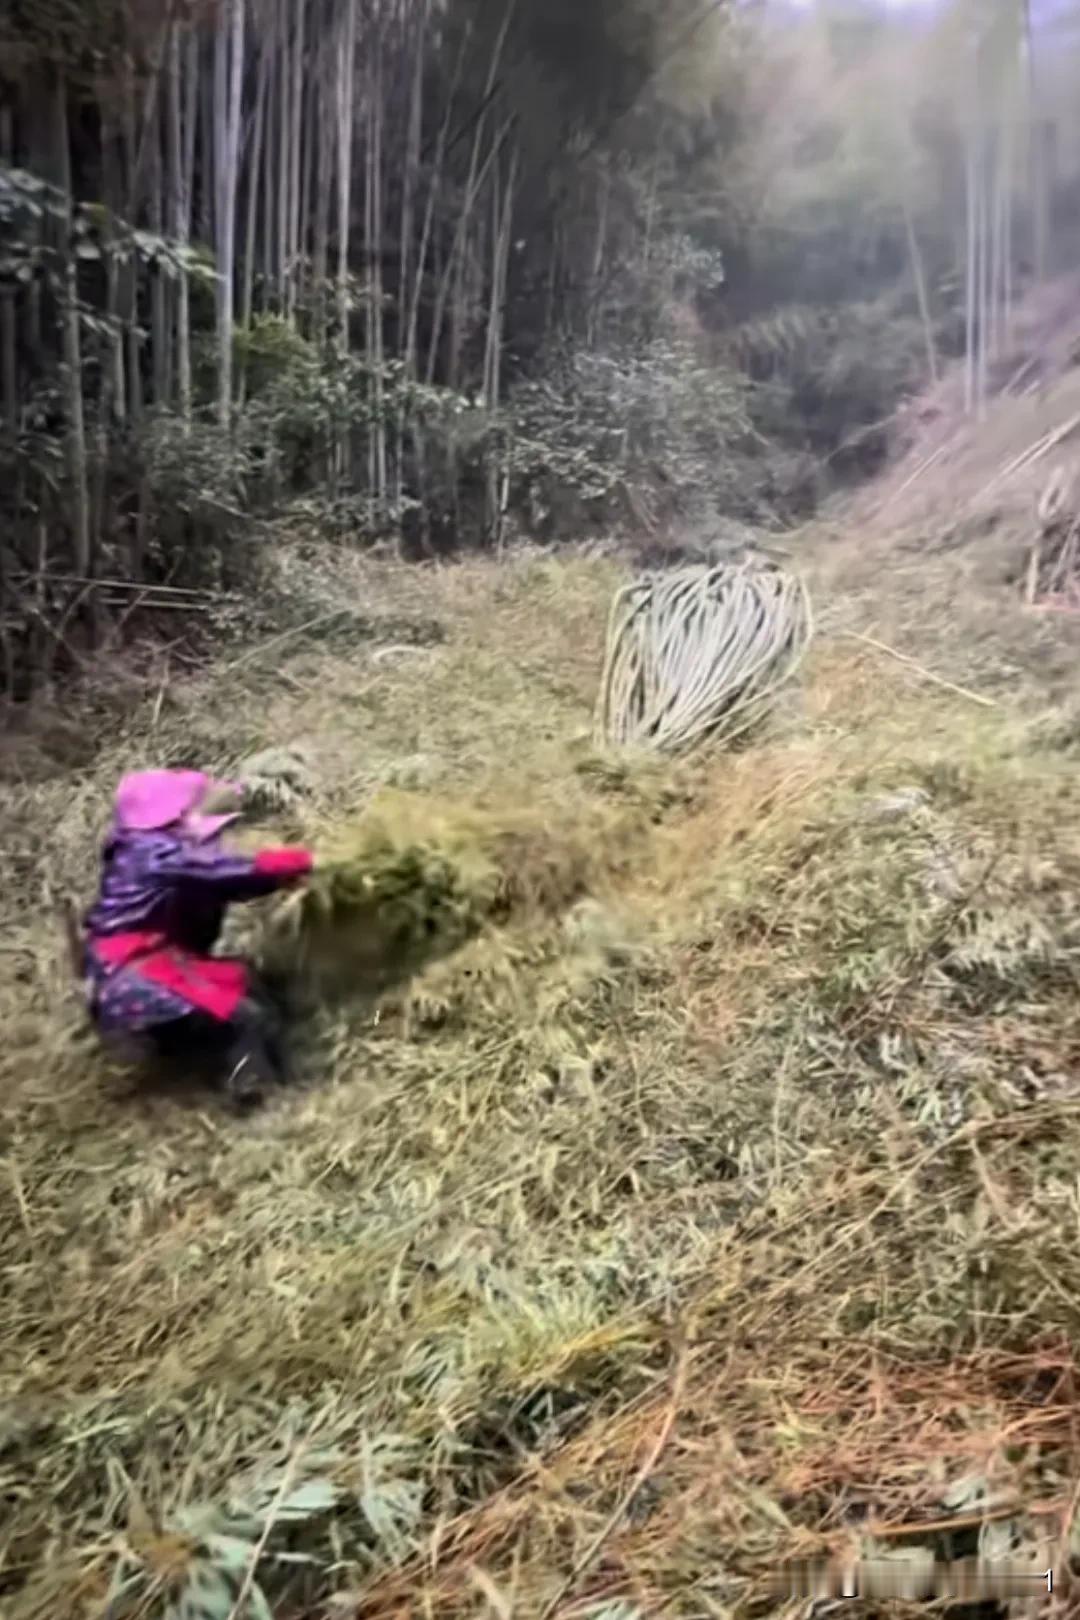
724	1216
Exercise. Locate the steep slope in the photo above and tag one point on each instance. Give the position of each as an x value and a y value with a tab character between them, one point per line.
728	1217
966	548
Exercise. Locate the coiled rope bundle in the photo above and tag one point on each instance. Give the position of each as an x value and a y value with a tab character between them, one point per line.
697	655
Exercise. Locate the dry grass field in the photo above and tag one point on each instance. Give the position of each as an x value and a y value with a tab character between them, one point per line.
715	1208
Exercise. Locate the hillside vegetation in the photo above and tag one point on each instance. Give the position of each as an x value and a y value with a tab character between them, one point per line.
724	1217
713	1210
441	274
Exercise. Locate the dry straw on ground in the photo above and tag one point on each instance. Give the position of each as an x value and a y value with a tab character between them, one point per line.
936	556
719	1216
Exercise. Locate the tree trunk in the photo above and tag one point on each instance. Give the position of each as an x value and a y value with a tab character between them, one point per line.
1007	182
130	274
295	150
552	284
309	181
346	63
429	209
457	312
114	203
268	261
228	85
971	286
918	274
996	288
413	136
344	80
320	252
376	300
414	132
284	210
9	364
651	210
596	273
369	239
1041	200
179	138
254	168
111	395
455	259
984	197
206	225
183	222
160	359
498	478
9	326
72	367
411	339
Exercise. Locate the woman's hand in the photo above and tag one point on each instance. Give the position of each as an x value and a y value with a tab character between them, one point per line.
289	866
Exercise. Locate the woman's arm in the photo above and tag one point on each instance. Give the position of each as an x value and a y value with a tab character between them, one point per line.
228	877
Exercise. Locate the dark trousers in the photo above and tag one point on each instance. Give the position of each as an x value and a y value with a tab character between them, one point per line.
247	1050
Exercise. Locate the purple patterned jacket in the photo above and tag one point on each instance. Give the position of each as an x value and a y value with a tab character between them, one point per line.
162	884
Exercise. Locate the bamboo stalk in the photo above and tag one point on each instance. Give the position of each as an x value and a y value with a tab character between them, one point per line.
228	85
295	150
9	354
75	436
927	674
255	158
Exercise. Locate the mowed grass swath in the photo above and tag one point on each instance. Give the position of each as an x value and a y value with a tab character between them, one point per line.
721	1179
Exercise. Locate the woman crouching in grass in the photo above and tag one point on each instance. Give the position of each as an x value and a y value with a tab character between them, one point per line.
166	883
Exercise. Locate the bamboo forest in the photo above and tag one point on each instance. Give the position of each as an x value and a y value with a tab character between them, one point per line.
432	273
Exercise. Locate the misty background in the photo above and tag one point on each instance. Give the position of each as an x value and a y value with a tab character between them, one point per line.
439	273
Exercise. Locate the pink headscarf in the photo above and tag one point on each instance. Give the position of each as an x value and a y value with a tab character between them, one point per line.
147	801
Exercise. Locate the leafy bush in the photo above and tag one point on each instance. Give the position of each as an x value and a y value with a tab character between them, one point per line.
828	380
657	433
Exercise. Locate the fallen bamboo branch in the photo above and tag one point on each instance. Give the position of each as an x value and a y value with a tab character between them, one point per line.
286	635
1034	565
928	674
937	1527
913	477
24	576
656	1450
1031	455
383	653
287	1477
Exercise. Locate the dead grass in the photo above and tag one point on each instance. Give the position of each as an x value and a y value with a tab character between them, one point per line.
721	1215
944	539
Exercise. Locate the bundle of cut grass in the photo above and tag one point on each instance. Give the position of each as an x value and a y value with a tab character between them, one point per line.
697	656
416	878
